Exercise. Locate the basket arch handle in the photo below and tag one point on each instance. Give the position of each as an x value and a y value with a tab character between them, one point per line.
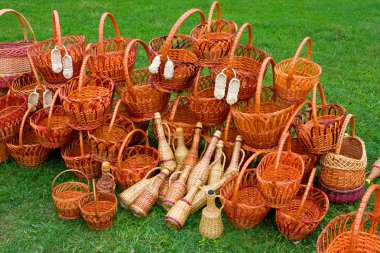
306	193
226	129
214	5
174	108
237	39
101	31
10	87
70	170
23	21
114	114
57	29
349	119
263	70
296	56
314	102
51	109
196	82
81	146
35	73
20	134
357	224
166	46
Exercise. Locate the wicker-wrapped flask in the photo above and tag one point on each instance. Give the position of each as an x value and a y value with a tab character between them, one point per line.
180	152
217	167
234	166
167	159
201	170
106	182
128	196
177	189
375	171
211	225
149	196
178	214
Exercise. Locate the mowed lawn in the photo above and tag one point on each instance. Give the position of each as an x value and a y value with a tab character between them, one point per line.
346	44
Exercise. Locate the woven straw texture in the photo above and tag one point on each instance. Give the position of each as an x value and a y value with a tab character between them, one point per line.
211	224
343	196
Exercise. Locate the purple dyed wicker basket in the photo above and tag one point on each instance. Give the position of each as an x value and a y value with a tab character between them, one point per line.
343	196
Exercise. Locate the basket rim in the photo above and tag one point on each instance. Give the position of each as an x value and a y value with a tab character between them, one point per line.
36	46
279	67
340	191
298	123
236	111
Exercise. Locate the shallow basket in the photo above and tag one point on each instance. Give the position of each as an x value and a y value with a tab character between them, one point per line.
304	213
87	99
77	156
246	61
98	209
177	48
108	54
41	53
244	206
343	196
66	196
345	168
133	163
319	127
279	175
354	232
13	55
212	40
140	99
295	77
262	120
203	105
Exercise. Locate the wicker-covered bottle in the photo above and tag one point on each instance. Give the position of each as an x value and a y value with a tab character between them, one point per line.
149	196
217	167
200	199
106	182
235	164
375	171
178	214
177	189
201	170
167	159
211	225
128	196
180	151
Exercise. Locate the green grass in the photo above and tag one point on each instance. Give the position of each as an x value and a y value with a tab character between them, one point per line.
346	44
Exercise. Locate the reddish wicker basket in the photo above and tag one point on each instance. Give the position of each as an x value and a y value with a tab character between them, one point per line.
279	174
108	54
66	196
246	61
51	125
141	101
244	206
76	155
40	53
25	149
3	152
87	99
304	213
319	127
133	163
262	120
343	196
203	105
177	48
12	109
105	141
212	41
13	55
98	209
354	232
295	77
345	168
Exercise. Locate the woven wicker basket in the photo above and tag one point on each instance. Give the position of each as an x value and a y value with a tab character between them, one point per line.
108	54
354	232
141	101
295	77
212	40
177	48
13	55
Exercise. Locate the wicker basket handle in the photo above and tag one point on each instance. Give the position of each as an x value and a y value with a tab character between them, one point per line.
196	82
284	138
95	197
51	109
125	61
242	157
357	224
167	44
35	73
349	119
263	70
23	124
101	30
115	111
226	128
126	141
241	174
82	74
306	193
295	58
81	146
57	29
70	170
237	39
10	87
174	108
314	102
23	21
222	200
211	13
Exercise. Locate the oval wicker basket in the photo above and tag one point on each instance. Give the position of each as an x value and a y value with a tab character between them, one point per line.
343	196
